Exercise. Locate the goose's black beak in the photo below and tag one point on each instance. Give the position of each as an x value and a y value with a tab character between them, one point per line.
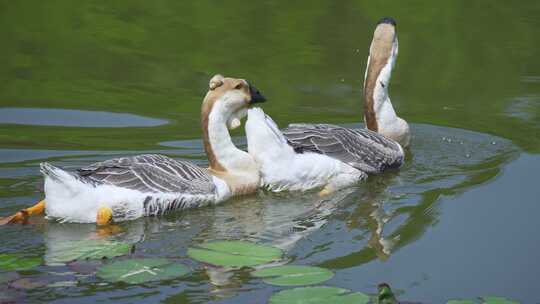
387	20
256	96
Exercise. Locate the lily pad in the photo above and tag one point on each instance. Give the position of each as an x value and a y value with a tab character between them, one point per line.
10	261
316	295
136	271
234	253
497	300
87	249
294	275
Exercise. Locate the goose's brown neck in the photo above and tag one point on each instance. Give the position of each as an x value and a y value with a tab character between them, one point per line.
376	64
380	52
215	165
369	100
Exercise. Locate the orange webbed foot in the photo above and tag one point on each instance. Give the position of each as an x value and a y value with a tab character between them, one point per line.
104	216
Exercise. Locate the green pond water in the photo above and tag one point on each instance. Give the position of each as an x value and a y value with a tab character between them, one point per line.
84	81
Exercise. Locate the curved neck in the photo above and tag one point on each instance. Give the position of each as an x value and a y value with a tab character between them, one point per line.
378	108
379	114
223	155
208	148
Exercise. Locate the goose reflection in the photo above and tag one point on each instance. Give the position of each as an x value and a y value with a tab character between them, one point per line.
397	210
62	239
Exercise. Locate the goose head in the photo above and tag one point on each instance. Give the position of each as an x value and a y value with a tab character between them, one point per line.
379	114
231	97
225	103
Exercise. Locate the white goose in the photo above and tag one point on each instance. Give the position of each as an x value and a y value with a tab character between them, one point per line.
307	156
131	187
282	168
364	149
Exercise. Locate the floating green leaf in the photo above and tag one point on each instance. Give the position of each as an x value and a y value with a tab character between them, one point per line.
9	261
497	300
316	295
234	253
136	271
294	275
460	302
86	249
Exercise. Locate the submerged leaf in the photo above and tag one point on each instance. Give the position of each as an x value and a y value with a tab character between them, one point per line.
87	249
136	271
27	283
294	275
319	295
62	284
10	261
8	277
497	300
234	253
84	267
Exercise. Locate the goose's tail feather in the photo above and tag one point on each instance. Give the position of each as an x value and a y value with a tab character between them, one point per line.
62	177
54	173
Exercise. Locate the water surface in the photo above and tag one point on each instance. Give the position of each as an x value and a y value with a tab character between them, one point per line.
86	82
74	118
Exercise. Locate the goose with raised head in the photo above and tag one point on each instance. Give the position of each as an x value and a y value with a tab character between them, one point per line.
130	187
380	145
379	114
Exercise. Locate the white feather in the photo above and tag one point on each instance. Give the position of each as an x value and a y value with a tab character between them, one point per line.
70	200
283	169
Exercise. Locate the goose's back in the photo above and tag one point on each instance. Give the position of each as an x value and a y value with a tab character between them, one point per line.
362	149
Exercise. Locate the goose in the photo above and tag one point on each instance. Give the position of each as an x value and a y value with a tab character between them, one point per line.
283	168
309	156
380	145
130	187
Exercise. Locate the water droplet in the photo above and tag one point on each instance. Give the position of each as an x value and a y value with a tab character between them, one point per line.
444	138
342	79
467	155
493	143
358	50
461	142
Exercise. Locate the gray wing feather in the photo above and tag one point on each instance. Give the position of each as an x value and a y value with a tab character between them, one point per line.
150	173
363	149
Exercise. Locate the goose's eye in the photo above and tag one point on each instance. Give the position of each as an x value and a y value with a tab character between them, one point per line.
238	86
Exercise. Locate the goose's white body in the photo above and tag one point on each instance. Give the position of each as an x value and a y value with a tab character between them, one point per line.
74	198
284	169
152	184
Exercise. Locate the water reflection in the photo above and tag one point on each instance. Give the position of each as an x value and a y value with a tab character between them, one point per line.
60	239
397	210
75	118
524	108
